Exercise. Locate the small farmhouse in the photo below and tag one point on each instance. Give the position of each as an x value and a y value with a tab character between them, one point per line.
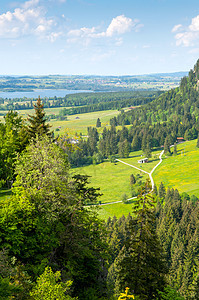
180	139
143	161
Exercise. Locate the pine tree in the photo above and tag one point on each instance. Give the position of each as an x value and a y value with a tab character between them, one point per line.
147	151
38	125
132	179
167	146
135	143
123	149
98	124
161	191
140	264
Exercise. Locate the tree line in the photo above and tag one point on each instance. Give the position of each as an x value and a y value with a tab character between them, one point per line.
176	103
83	99
139	136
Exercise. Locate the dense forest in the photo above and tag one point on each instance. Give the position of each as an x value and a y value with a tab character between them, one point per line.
53	244
158	123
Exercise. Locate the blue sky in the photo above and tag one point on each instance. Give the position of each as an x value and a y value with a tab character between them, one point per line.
98	37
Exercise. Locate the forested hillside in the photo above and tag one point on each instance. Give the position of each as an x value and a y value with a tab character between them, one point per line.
53	244
159	123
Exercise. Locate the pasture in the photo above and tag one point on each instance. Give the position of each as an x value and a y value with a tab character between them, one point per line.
79	123
112	179
74	123
181	171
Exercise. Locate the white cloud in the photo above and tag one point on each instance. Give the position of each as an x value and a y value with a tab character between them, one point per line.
194	24
176	28
82	32
30	3
118	26
188	36
28	19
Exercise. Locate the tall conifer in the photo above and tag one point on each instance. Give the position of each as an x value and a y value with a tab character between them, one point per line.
140	264
37	122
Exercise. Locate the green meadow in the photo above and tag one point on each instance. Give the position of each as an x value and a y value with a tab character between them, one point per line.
181	171
79	123
74	123
137	155
112	179
117	209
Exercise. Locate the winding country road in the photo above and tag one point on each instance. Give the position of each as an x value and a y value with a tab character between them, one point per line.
150	176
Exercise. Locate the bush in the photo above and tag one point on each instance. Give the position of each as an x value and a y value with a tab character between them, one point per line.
124	198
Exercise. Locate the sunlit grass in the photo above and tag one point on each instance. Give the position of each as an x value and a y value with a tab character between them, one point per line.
117	209
181	171
112	179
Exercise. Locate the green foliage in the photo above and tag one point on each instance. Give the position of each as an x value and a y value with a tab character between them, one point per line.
132	179
141	256
37	122
162	191
124	149
7	289
50	287
14	281
170	294
42	178
124	198
46	220
167	146
177	228
98	124
12	141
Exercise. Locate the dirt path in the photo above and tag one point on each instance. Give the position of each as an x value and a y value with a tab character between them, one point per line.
132	166
150	175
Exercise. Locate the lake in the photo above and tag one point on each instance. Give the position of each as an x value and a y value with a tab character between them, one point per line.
41	92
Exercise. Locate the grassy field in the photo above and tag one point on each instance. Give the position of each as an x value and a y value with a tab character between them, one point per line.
75	123
181	171
112	179
117	209
79	123
137	155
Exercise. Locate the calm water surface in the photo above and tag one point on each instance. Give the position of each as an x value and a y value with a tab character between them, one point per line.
40	92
